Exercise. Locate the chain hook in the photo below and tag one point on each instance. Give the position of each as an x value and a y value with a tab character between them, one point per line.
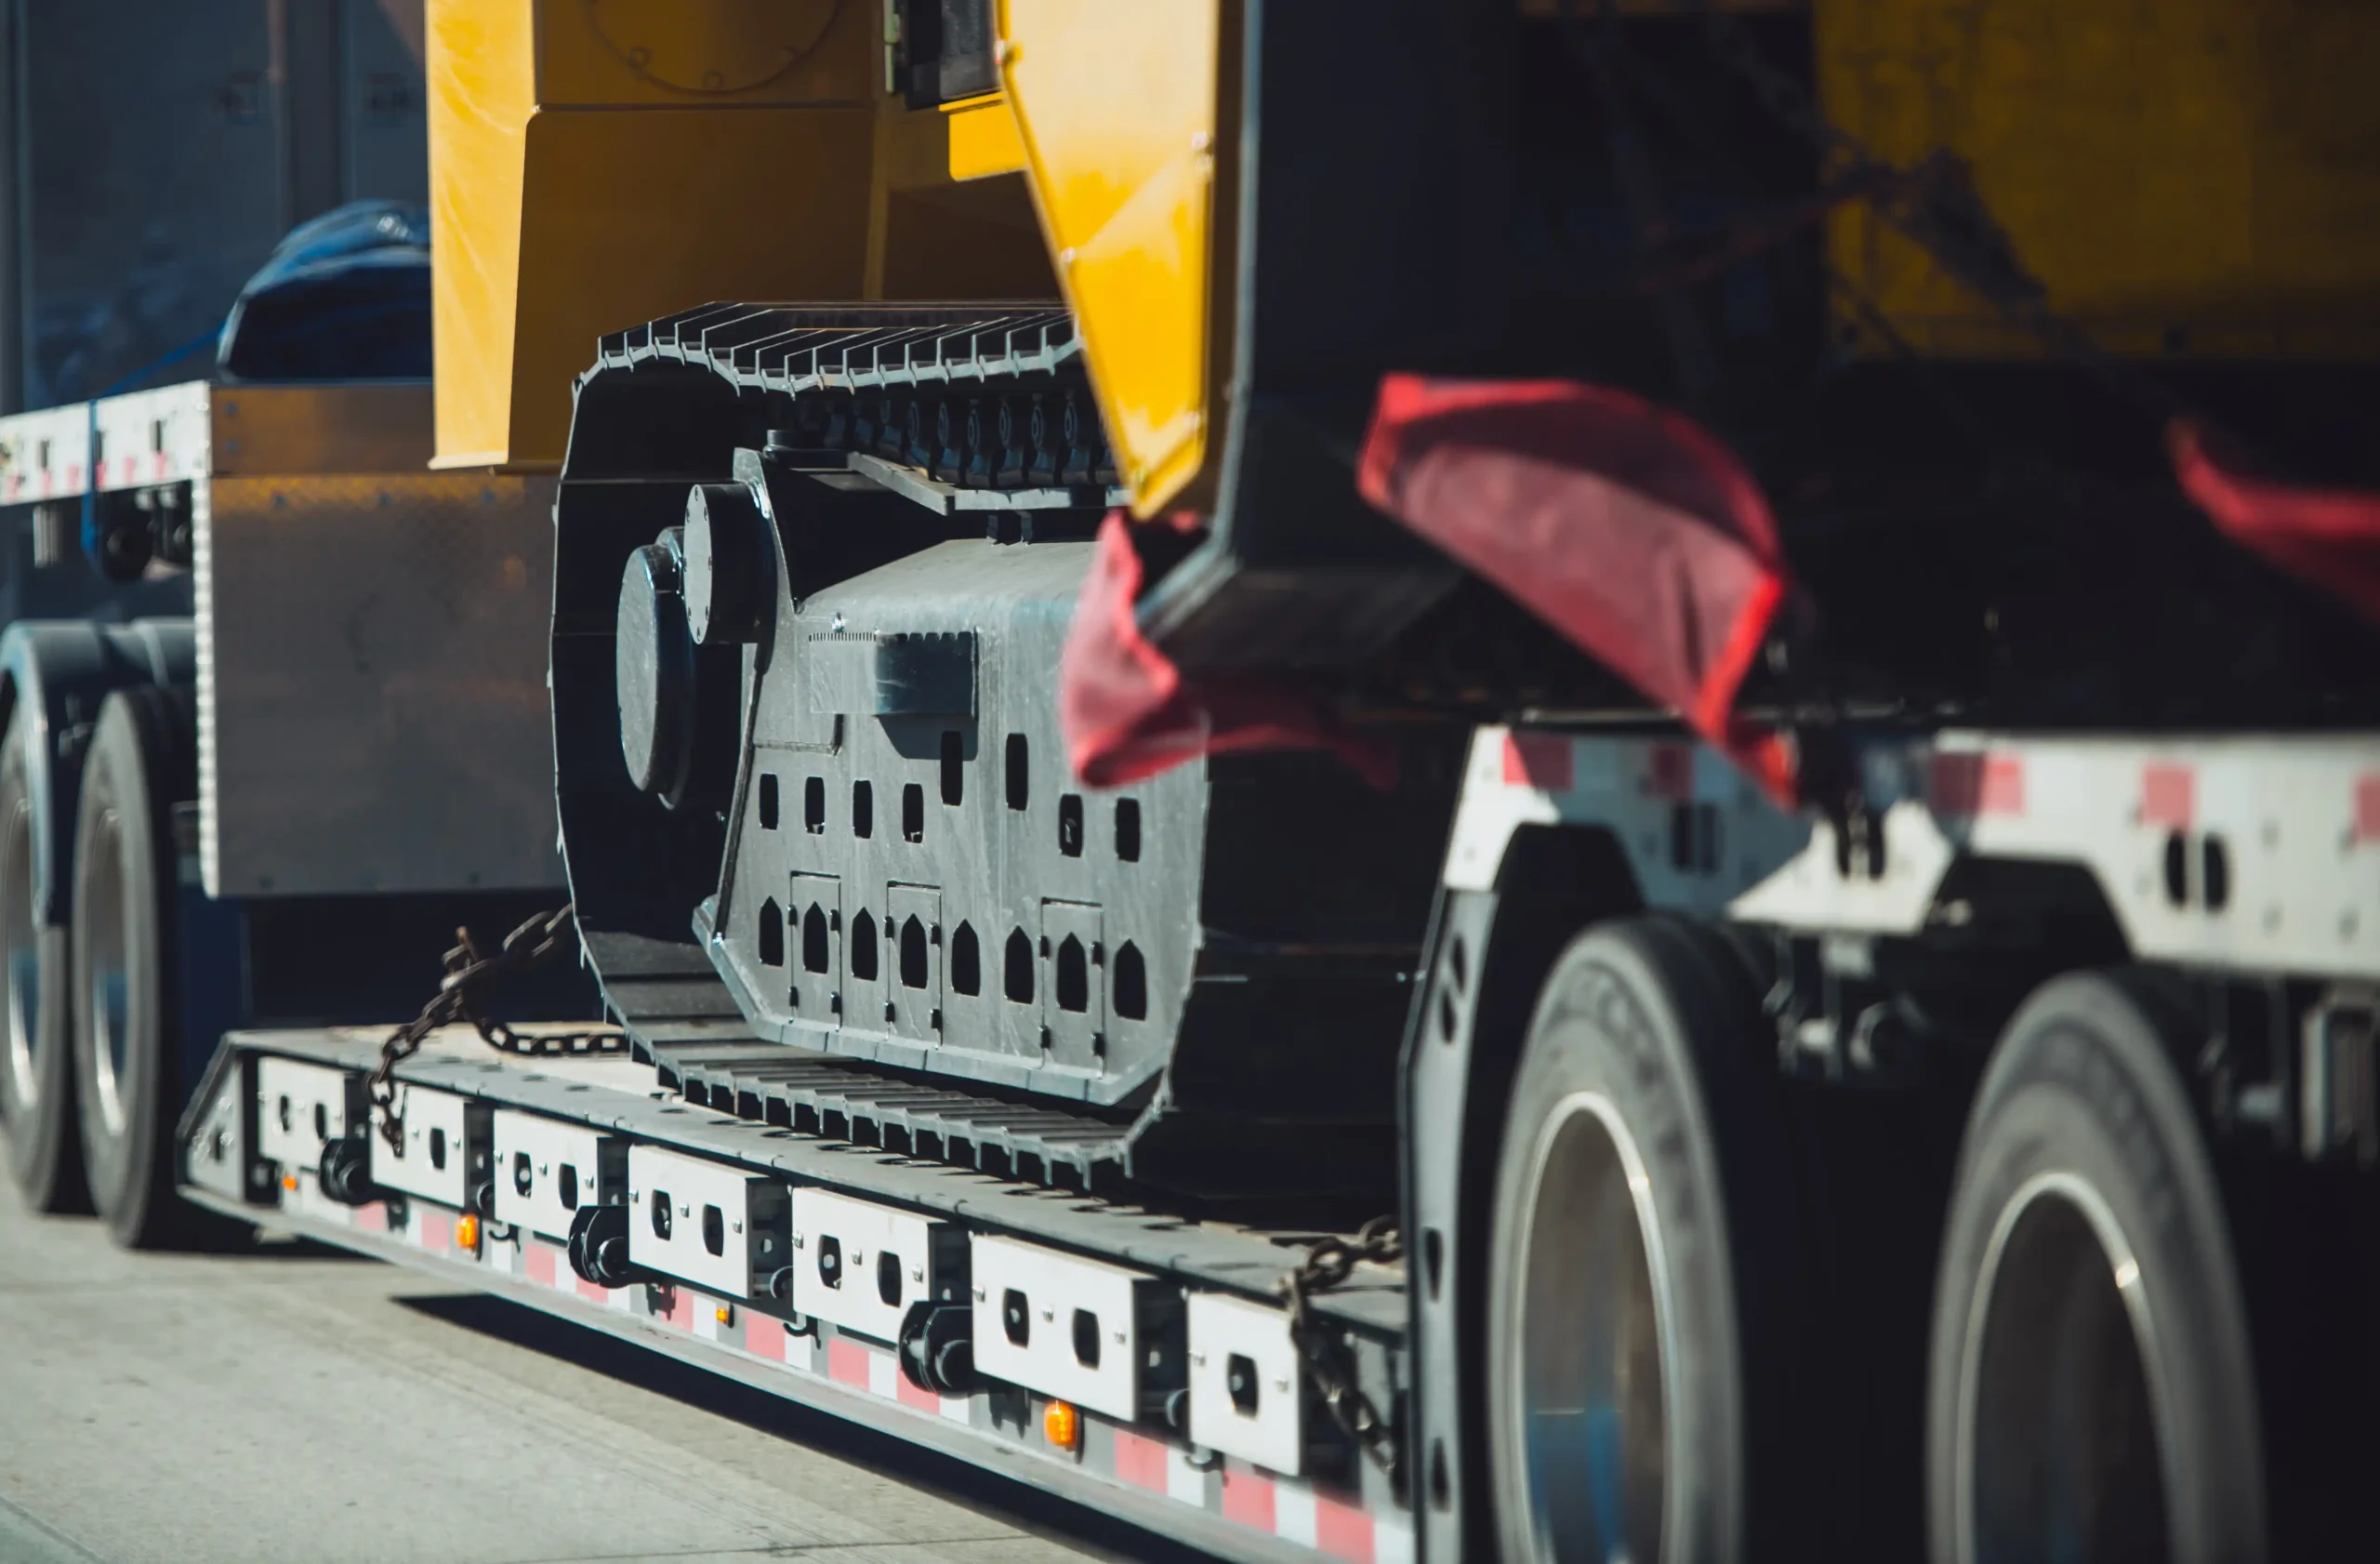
1328	1264
470	975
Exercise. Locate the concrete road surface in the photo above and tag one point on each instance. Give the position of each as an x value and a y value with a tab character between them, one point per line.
291	1406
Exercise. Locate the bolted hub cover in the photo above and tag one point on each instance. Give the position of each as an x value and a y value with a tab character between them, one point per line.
653	670
728	588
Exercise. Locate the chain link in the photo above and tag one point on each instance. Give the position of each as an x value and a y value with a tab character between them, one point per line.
1328	1265
471	975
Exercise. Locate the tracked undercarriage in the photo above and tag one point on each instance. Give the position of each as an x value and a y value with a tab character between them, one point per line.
816	567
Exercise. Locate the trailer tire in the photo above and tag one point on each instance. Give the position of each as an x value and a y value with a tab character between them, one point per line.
128	1024
2086	1207
37	1046
1645	1281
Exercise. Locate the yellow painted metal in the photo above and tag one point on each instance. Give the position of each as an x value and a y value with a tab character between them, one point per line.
982	139
2187	176
597	162
911	149
671	50
1655	7
949	216
1120	109
481	76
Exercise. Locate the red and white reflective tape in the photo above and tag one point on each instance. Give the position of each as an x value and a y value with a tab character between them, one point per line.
1336	1526
1296	1512
2248	853
1695	831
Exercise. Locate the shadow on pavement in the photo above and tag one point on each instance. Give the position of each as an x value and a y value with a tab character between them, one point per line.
1017	1502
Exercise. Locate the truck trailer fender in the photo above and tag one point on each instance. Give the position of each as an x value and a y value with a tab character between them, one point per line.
1487	953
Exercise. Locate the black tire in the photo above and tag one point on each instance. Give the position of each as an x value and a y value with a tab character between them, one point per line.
127	1023
1647	1055
2086	1204
36	1044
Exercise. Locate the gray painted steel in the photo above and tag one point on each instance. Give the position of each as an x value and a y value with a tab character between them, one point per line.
813	348
1011	891
903	872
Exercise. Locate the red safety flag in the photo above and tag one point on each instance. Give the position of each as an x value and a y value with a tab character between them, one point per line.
2328	536
1128	713
1625	527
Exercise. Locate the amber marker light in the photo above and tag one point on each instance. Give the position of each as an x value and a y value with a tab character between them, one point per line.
1061	1425
289	1182
467	1231
725	1314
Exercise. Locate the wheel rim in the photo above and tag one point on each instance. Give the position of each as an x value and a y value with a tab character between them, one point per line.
1589	1392
2057	1451
110	995
21	946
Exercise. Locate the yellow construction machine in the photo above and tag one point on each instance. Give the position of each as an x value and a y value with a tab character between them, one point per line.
1716	655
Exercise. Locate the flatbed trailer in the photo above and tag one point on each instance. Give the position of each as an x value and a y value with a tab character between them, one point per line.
2274	872
217	597
242	1165
1300	813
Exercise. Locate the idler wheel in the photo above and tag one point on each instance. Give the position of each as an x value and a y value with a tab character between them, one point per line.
653	670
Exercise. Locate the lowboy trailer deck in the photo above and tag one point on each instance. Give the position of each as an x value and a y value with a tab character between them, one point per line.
1112	1309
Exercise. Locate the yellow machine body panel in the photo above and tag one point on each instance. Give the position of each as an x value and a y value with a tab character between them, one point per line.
980	140
666	52
1119	107
2185	177
480	95
598	163
950	217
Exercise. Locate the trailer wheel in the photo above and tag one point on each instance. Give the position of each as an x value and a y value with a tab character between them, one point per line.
2091	1393
127	1027
36	1052
1643	1266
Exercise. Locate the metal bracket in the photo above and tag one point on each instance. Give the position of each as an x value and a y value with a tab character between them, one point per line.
911	482
2338	1108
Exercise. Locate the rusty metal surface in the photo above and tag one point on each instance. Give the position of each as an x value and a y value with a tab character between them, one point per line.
372	690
